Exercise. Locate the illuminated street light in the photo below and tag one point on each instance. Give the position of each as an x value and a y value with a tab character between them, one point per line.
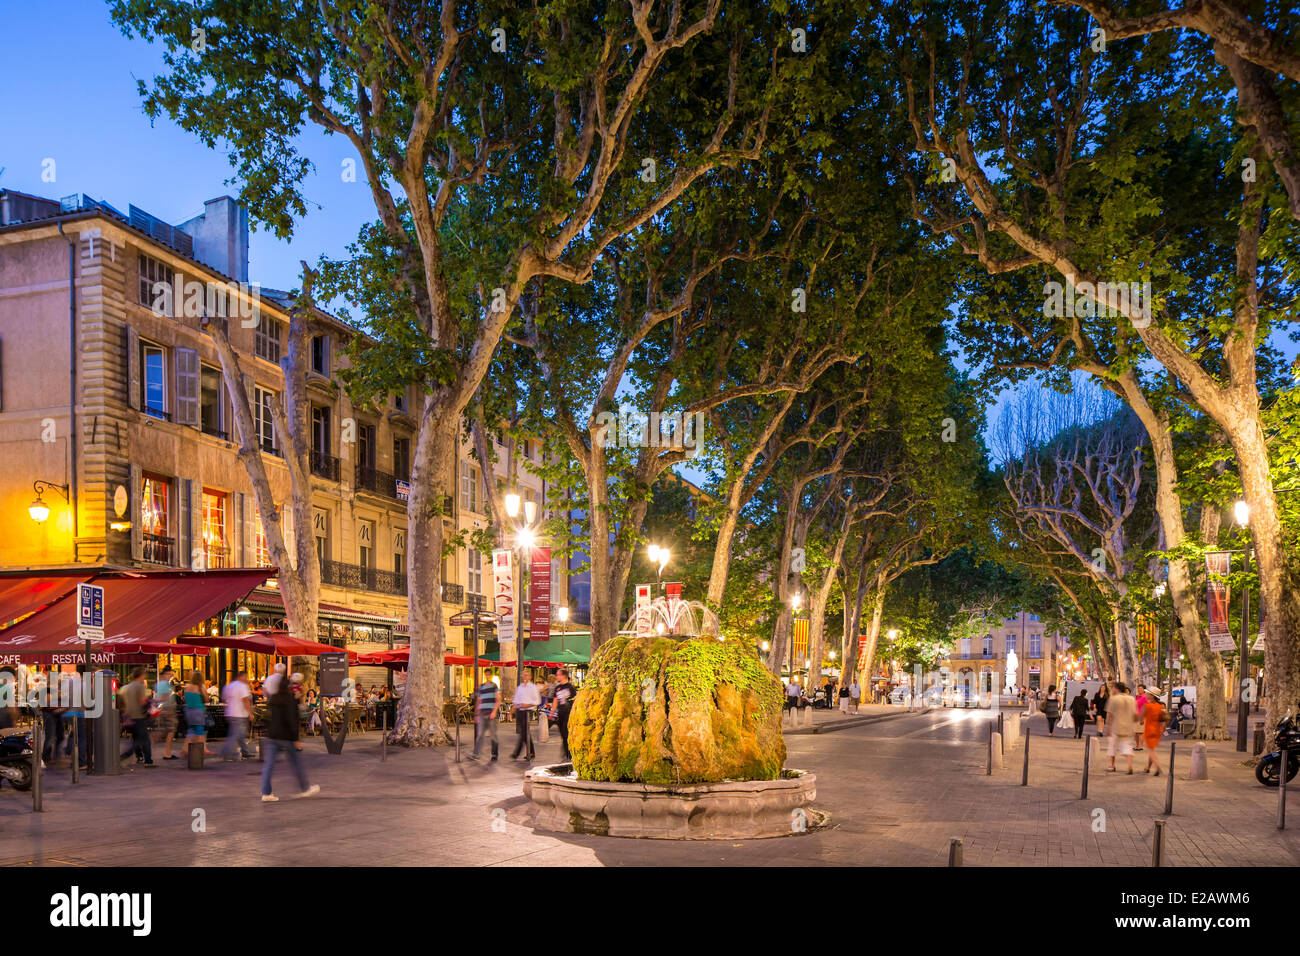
1241	510
38	510
530	511
512	505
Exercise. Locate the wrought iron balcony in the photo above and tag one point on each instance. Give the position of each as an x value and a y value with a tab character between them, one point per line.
380	482
338	574
324	466
475	602
157	549
453	594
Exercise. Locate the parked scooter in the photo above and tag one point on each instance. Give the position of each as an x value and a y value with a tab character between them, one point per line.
1288	735
16	758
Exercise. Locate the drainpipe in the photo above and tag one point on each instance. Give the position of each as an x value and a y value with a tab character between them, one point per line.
72	381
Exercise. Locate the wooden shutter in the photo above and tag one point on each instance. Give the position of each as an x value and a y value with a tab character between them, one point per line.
132	368
136	511
187	387
183	537
250	533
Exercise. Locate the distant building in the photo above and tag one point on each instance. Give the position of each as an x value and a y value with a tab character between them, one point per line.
1036	649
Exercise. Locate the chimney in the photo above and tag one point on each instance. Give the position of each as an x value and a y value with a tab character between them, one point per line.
221	237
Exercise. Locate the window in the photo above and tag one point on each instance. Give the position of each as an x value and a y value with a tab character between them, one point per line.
1033	618
366	544
153	380
259	541
1011	642
399	401
1035	645
402	458
320	354
157	299
469	489
156	542
320	429
965	647
988	645
214	529
366	446
320	522
262	422
266	339
211	417
399	552
474	581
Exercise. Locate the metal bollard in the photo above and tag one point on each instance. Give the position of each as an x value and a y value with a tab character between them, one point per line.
1169	784
954	852
38	744
1258	747
1158	844
1087	761
456	719
1002	732
383	746
1024	774
989	771
1281	790
76	747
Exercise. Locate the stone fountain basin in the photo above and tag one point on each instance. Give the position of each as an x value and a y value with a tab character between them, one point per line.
740	809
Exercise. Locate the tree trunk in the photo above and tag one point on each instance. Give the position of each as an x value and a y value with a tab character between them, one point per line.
420	721
873	636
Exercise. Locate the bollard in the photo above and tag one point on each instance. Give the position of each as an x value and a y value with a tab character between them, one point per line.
989	770
1258	747
38	744
194	755
1087	761
995	751
1169	784
1200	767
76	749
1281	789
1002	732
456	719
954	852
1158	844
1024	774
383	745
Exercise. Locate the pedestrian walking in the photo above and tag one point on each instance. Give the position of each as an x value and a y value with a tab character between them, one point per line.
282	737
828	694
164	697
487	705
1154	720
1121	719
1099	700
1140	700
1051	708
1079	712
196	714
135	700
564	693
844	698
238	697
526	700
791	696
855	696
76	745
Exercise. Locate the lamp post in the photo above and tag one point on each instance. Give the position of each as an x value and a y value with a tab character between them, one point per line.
1241	511
525	540
659	556
38	510
1158	593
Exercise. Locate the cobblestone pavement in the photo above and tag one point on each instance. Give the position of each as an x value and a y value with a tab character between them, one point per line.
897	790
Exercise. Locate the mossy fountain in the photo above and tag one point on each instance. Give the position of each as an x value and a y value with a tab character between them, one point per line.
675	736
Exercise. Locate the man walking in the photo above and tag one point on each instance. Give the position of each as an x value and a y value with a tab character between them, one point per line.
855	696
238	697
135	699
564	692
526	700
282	736
164	697
487	704
1121	725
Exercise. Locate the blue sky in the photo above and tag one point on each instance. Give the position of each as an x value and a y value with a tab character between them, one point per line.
68	93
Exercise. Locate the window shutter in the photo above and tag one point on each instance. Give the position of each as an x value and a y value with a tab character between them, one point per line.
237	519
183	537
287	529
250	539
132	368
187	387
136	512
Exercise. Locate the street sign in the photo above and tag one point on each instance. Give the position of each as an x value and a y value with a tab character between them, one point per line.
403	490
333	671
90	606
95	634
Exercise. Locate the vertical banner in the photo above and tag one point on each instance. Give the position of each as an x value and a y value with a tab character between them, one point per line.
1216	597
503	597
1259	644
674	592
800	642
643	610
539	614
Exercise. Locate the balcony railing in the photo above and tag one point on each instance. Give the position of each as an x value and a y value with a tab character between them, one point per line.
475	602
324	466
338	574
380	482
216	556
157	549
453	594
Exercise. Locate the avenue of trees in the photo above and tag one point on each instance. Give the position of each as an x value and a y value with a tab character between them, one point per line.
795	249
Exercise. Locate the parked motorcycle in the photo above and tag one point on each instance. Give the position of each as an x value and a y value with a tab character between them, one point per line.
1269	768
16	758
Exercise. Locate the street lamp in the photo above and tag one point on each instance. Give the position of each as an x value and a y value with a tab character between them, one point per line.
1158	593
659	556
796	602
1241	511
563	612
38	510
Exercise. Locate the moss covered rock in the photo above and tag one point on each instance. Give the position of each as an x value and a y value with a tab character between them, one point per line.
665	711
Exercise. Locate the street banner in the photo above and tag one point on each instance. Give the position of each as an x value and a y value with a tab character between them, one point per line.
643	598
1216	597
1259	641
862	648
800	642
674	593
539	614
503	597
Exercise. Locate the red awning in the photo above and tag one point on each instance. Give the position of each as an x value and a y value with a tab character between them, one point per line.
139	606
20	596
275	643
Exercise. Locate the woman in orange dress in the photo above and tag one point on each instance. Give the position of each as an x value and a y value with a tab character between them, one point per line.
1153	728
